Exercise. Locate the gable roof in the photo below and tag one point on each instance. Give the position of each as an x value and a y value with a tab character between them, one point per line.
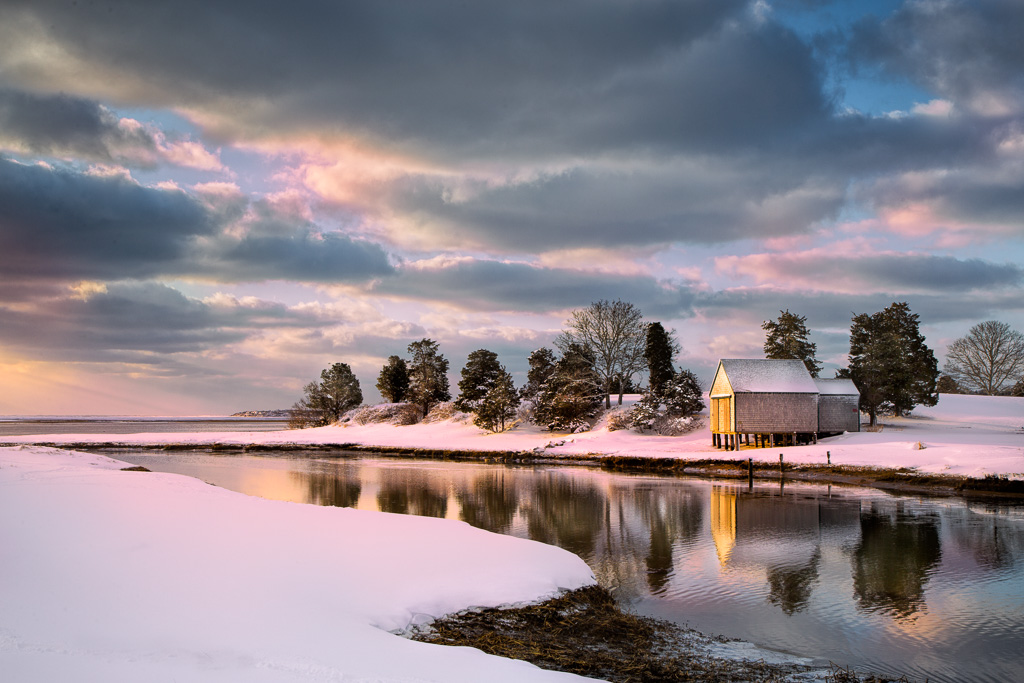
837	387
752	375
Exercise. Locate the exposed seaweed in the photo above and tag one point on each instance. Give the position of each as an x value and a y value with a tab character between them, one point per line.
585	632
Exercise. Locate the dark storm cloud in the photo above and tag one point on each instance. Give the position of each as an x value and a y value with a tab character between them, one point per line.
494	285
484	78
65	126
133	317
64	225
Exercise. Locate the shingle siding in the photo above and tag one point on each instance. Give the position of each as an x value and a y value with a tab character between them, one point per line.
776	413
838	413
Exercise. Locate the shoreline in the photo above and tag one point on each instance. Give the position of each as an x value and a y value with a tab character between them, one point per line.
890	479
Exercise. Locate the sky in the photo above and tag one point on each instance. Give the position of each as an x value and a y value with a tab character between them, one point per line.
202	205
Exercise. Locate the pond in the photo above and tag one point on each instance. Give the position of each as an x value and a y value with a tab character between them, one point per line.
931	588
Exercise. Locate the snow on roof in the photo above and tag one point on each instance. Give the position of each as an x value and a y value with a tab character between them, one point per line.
768	376
840	387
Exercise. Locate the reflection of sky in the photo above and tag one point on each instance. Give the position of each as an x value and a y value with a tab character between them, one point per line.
718	580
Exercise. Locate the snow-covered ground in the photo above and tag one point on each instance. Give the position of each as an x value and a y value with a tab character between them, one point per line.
962	435
123	576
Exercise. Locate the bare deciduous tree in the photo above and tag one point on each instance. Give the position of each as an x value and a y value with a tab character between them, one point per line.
614	331
989	357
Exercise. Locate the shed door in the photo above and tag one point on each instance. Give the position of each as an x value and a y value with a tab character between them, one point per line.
724	418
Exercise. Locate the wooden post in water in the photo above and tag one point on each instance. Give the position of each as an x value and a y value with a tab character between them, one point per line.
828	454
782	465
750	472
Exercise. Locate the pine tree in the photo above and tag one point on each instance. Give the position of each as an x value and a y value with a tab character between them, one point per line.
1018	388
542	364
572	394
893	368
497	409
324	402
683	395
787	339
478	376
659	350
428	375
947	385
393	380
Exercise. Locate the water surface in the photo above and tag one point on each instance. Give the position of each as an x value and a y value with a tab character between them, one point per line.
928	587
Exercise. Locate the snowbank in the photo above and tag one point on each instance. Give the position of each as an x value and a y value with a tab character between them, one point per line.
962	435
124	576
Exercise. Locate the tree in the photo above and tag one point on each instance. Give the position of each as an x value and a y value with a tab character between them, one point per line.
478	376
615	334
683	394
786	339
428	375
659	349
324	402
988	358
542	364
947	385
889	362
393	380
572	394
497	409
1018	388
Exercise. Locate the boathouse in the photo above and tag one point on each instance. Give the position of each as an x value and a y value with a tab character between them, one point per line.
777	402
838	406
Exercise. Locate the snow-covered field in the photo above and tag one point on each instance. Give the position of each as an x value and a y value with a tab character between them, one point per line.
962	435
120	576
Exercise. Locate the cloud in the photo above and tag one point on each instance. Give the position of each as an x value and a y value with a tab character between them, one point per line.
855	269
65	225
967	51
67	127
487	285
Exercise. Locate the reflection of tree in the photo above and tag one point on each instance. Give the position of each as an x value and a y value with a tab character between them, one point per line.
338	488
994	545
566	513
790	586
411	493
892	562
490	503
672	514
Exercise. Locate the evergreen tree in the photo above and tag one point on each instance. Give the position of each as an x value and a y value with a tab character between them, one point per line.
478	376
787	340
542	364
324	402
1018	388
683	395
497	409
428	375
947	385
393	380
572	394
893	368
659	350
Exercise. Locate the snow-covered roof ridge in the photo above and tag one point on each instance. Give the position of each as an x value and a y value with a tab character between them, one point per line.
769	376
841	387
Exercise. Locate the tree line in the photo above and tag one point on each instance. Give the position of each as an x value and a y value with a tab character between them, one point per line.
601	350
606	345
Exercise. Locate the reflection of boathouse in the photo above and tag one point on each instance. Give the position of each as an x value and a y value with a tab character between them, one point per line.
770	402
766	529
